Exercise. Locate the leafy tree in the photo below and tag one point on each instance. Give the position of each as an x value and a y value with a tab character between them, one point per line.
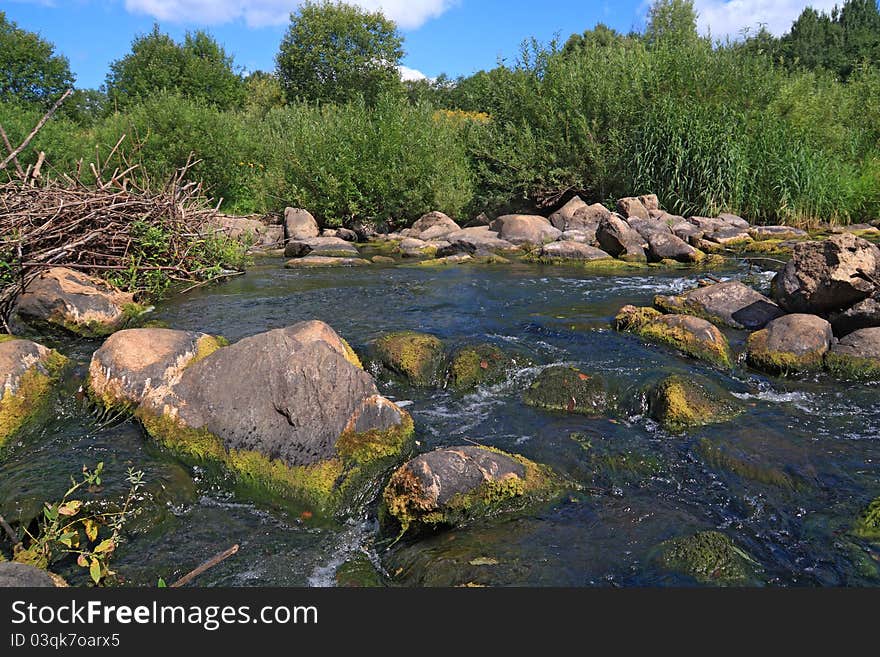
673	21
263	92
601	35
30	71
198	68
336	52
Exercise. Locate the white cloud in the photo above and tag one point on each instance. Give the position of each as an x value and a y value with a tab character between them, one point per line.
729	17
408	14
408	74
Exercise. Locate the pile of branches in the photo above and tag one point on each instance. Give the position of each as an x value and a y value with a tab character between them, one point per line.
87	226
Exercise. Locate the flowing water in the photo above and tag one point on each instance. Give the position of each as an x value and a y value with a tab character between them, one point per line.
811	447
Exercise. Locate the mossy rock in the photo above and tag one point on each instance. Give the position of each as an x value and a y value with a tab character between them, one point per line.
852	368
331	487
748	467
478	365
693	336
569	390
868	524
418	357
710	557
792	344
26	399
680	403
451	487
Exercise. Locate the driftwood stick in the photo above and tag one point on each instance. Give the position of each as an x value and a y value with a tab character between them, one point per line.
9	149
210	563
9	532
14	154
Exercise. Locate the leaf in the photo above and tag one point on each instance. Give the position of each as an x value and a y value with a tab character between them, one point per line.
484	365
107	545
483	561
51	512
95	571
82	562
162	584
69	539
70	508
91	528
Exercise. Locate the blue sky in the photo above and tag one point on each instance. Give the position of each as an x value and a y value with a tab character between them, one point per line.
456	37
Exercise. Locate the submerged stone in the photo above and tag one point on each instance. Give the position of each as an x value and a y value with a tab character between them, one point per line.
691	335
28	371
710	557
448	487
679	403
478	365
568	390
19	575
315	261
418	357
747	466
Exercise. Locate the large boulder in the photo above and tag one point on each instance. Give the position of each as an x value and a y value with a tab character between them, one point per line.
632	207
569	390
733	220
299	224
525	229
288	411
418	357
647	227
619	239
587	218
19	575
135	364
247	229
761	233
319	262
664	245
651	202
791	344
732	304
566	213
573	251
477	239
434	225
828	276
693	336
864	314
708	224
448	487
679	403
27	373
730	236
856	356
328	247
79	303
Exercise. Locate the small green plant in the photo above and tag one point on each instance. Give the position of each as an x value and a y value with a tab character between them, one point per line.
69	528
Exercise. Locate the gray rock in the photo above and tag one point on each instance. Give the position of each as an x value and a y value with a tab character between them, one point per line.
299	224
573	251
760	233
346	234
651	202
618	238
792	343
581	236
331	247
864	314
708	224
730	304
646	227
478	238
864	343
525	229
828	276
563	215
632	207
314	261
688	232
666	246
729	236
434	225
19	575
733	220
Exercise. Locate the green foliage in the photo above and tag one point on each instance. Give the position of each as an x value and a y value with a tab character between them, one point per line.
337	52
30	71
198	68
671	21
85	530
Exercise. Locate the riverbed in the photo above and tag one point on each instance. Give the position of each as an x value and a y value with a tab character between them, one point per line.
810	447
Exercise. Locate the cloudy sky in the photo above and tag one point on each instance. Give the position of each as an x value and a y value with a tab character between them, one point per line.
456	37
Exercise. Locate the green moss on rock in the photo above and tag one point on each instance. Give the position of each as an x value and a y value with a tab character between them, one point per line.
358	572
782	363
418	357
721	458
28	401
680	403
853	368
569	390
709	557
690	335
868	524
476	365
326	487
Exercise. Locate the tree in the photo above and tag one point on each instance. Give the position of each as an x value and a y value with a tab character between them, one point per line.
601	36
263	92
30	71
198	68
673	21
334	52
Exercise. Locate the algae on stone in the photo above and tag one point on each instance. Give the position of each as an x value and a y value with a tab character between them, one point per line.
26	400
710	557
868	524
418	357
718	457
569	390
679	403
478	364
